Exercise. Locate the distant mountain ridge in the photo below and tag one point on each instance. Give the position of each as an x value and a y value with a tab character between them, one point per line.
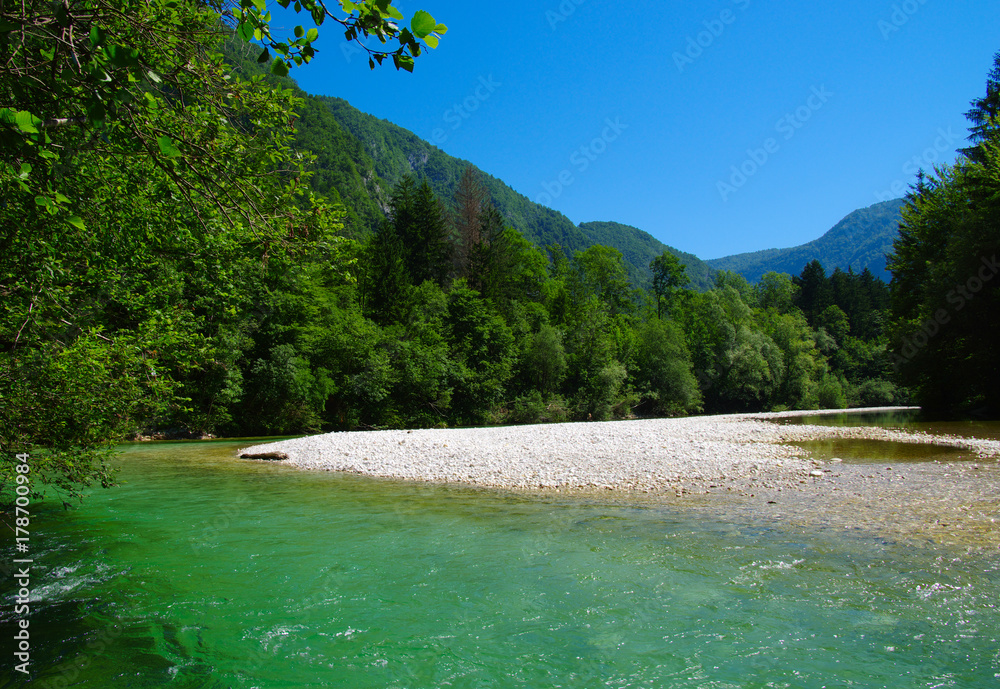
861	240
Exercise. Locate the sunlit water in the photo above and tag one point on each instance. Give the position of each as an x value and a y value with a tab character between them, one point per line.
205	571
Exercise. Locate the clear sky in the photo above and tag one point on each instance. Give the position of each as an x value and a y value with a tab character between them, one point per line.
718	126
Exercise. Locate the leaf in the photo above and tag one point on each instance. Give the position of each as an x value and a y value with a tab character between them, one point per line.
167	147
312	35
264	56
123	56
42	201
299	32
279	67
245	31
431	40
27	122
97	36
77	222
261	5
422	24
441	29
403	62
96	111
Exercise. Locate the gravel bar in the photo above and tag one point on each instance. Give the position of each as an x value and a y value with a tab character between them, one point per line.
655	455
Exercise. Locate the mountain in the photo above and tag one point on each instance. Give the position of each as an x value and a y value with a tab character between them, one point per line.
390	152
360	158
860	240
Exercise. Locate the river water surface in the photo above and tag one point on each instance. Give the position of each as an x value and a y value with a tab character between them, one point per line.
204	571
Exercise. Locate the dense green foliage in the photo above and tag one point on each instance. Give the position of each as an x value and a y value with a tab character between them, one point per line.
945	287
151	204
860	241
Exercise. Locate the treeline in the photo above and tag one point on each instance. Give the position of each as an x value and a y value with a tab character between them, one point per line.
446	317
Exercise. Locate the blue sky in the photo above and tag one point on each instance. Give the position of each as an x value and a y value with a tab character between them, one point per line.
718	127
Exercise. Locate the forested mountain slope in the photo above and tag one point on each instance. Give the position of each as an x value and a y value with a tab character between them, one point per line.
639	248
360	159
859	241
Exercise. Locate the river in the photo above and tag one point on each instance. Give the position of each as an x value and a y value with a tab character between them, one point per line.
208	572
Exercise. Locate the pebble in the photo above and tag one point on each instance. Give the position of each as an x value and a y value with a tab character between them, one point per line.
741	450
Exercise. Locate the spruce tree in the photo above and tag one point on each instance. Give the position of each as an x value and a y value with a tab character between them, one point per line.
983	117
384	283
470	199
429	242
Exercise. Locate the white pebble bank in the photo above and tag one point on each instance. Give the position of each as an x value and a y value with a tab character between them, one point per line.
640	455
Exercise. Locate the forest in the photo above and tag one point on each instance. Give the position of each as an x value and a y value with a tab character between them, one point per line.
178	262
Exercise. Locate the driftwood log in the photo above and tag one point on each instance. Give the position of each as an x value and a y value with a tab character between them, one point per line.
264	455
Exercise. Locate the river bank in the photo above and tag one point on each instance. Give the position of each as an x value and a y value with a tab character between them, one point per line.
679	455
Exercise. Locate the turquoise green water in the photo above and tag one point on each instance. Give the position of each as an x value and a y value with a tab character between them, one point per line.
204	571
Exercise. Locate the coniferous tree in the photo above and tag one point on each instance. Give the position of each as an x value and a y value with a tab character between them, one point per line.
429	244
487	255
984	115
419	219
384	281
471	198
814	290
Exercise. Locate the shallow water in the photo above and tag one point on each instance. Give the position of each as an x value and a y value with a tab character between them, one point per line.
903	420
865	450
206	571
